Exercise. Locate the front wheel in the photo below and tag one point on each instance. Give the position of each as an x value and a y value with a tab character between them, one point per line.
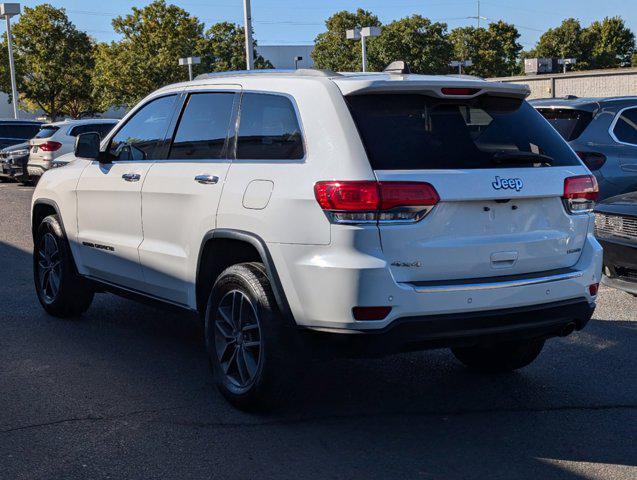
501	357
61	291
250	348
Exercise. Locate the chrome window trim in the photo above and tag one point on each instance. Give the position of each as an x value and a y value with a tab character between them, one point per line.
611	129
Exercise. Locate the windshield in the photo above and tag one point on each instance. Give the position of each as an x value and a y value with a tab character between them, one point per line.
413	131
568	122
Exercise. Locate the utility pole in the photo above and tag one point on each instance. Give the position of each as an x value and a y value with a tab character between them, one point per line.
478	17
247	25
8	10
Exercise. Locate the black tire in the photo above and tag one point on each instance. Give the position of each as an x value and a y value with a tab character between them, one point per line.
70	295
250	377
501	357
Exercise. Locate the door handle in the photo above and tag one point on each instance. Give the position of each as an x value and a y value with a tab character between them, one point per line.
131	177
207	179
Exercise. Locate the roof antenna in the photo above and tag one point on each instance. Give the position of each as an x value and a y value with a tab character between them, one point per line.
398	67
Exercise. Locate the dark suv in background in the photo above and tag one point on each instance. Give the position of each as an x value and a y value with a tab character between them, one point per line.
14	146
603	132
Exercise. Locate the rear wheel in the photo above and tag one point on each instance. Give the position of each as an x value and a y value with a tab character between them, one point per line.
61	291
501	357
250	348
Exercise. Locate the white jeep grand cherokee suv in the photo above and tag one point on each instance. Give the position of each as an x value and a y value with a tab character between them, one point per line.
373	213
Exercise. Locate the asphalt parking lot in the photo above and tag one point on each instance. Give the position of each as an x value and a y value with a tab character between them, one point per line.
126	393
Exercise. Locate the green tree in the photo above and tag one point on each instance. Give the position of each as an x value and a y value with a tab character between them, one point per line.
569	40
224	49
333	51
494	51
54	63
154	38
416	40
613	44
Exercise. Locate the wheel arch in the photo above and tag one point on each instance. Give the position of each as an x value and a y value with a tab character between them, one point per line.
221	248
42	208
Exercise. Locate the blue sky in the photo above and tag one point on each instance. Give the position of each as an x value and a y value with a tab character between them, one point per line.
298	22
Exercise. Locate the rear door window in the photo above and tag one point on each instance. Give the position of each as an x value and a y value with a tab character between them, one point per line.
269	128
413	131
625	129
203	127
25	132
570	123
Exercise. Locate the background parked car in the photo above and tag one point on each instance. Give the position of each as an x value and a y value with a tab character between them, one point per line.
13	161
57	139
13	132
616	230
603	132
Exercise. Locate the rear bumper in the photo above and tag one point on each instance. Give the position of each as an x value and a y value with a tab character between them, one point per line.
323	283
37	169
456	330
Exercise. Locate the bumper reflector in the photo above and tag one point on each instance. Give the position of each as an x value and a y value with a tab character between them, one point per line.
370	313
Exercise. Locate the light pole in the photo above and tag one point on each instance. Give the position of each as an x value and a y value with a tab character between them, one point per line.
247	25
566	61
361	34
8	10
460	64
190	61
296	62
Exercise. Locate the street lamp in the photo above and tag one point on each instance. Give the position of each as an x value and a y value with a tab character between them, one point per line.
8	10
460	64
566	61
361	34
190	61
296	62
247	27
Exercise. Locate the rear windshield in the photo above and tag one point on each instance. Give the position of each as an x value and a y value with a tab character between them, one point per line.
23	132
46	132
568	122
413	131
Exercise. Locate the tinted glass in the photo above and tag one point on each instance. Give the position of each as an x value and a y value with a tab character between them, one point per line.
142	133
25	132
626	127
101	128
568	122
411	131
269	128
46	132
203	128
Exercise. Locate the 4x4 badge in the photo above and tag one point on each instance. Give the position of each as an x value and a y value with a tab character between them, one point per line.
508	183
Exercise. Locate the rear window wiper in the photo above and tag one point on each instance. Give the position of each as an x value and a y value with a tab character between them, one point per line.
520	158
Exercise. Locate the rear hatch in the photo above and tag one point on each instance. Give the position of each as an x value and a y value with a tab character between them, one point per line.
42	146
499	170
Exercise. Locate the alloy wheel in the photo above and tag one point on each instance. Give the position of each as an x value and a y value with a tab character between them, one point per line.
237	338
49	267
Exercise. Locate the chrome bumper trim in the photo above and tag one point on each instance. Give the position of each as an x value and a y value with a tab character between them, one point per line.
494	285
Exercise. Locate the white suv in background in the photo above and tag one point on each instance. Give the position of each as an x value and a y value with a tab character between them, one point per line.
56	139
294	211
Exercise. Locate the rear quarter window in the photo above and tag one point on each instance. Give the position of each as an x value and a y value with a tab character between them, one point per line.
269	128
414	131
625	128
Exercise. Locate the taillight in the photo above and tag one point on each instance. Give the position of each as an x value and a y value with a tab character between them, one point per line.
50	146
593	160
370	202
580	193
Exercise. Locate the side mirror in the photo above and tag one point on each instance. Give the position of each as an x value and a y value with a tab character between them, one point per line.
87	145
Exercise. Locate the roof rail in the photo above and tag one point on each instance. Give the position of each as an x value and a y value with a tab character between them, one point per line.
301	72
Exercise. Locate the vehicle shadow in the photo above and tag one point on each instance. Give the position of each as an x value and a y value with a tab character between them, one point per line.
418	415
